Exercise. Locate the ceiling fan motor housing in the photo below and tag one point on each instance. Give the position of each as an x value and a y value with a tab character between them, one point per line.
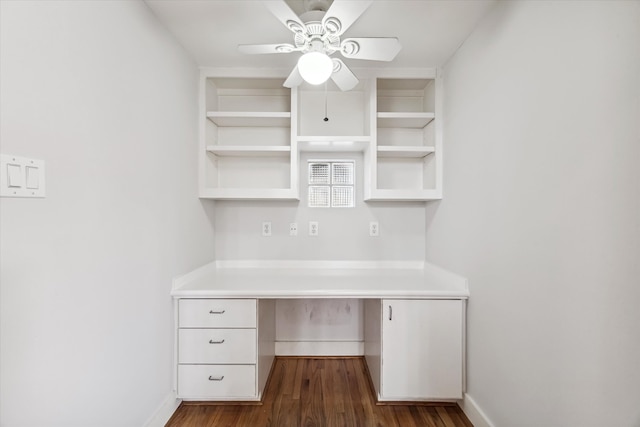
315	36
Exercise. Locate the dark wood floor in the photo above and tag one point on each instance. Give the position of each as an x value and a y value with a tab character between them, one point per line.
325	392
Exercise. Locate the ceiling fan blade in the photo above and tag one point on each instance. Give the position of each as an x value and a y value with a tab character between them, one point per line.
294	79
342	76
371	48
342	14
266	48
281	10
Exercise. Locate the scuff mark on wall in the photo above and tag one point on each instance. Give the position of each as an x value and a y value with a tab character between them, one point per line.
319	319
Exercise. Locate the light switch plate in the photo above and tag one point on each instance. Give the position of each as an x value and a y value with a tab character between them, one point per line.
21	177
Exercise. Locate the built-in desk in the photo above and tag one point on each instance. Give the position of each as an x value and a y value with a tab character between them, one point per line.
414	324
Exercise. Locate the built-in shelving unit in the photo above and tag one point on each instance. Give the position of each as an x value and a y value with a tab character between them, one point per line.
407	160
253	131
246	139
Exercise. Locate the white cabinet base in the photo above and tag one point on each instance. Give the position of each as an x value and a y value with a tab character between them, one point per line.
416	350
224	348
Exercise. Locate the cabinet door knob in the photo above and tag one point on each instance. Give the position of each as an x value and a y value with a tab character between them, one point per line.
211	378
215	342
390	312
216	312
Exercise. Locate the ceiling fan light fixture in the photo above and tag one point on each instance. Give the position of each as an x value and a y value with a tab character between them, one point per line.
315	67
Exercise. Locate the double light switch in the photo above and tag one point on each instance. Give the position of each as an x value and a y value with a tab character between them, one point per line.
21	177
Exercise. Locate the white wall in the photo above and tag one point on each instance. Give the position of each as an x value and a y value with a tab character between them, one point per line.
108	99
541	211
343	232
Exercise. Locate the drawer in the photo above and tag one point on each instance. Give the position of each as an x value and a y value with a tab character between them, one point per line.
217	313
217	381
217	346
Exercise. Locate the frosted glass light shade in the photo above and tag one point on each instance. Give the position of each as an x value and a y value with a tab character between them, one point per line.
315	67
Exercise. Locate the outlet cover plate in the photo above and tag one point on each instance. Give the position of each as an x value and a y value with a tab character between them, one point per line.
266	228
374	229
313	228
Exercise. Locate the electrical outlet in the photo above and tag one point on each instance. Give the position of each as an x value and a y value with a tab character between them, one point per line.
293	229
374	229
266	229
313	228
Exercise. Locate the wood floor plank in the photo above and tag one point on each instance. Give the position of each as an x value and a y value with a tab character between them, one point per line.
435	417
422	416
318	392
458	417
444	416
298	379
348	402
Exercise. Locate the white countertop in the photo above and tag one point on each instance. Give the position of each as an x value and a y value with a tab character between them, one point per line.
320	279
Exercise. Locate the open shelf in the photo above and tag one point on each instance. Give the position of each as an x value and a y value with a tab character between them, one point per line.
250	150
346	113
250	194
246	139
404	120
334	143
404	195
404	151
407	160
250	118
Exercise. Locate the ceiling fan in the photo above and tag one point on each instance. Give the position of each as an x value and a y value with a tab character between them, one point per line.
317	35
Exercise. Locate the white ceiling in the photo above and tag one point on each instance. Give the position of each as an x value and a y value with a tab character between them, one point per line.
430	31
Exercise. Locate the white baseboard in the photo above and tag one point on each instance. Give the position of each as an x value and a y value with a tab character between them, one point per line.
319	348
473	412
164	411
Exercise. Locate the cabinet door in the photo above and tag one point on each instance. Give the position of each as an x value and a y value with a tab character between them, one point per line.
422	349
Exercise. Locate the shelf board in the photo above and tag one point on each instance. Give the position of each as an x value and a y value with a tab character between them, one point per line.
333	138
334	143
250	118
380	195
249	194
404	151
250	150
404	120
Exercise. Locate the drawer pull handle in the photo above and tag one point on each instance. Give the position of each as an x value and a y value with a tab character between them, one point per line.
216	378
216	312
390	312
215	342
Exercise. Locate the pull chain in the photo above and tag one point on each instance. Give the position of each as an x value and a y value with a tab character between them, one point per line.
326	115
